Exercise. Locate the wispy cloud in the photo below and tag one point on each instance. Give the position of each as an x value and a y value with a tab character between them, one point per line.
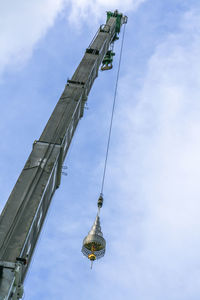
24	23
93	11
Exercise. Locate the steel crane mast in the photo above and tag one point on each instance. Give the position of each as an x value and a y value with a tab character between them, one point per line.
24	213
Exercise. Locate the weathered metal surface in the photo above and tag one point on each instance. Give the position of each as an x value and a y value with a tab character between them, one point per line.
31	195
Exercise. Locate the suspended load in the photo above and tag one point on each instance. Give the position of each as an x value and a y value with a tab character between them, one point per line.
94	244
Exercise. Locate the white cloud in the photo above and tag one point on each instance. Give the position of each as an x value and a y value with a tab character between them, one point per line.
92	11
24	23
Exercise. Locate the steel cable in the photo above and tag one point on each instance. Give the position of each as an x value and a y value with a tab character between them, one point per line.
112	113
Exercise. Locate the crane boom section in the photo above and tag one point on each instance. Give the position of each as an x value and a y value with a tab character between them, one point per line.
24	213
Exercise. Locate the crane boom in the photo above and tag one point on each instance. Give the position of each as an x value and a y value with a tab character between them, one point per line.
23	215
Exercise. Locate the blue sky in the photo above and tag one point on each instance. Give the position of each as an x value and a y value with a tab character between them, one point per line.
150	217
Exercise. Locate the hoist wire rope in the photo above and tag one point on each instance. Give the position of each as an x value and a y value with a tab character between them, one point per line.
112	112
